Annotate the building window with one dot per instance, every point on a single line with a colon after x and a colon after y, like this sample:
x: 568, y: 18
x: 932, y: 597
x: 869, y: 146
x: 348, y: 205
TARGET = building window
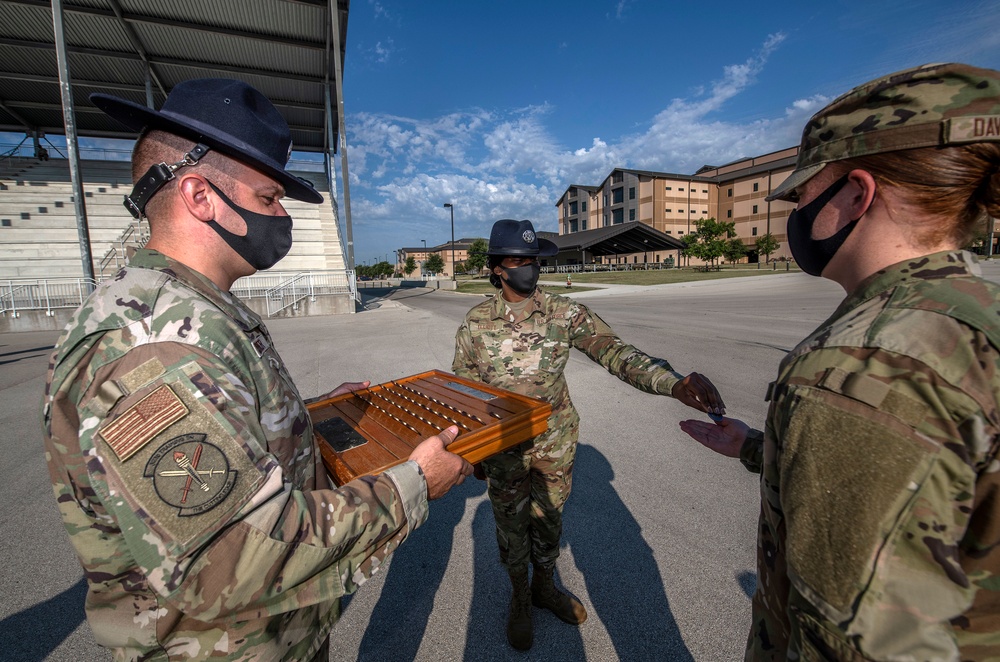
x: 583, y: 223
x: 756, y: 187
x: 631, y: 214
x: 670, y: 188
x: 631, y: 193
x: 730, y: 193
x: 680, y: 232
x: 617, y: 196
x: 755, y: 209
x: 617, y: 177
x: 605, y: 220
x: 704, y: 190
x: 583, y: 205
x: 5, y: 223
x: 729, y: 213
x: 668, y: 211
x: 680, y: 188
x: 605, y: 199
x: 753, y: 232
x: 572, y: 209
x: 618, y: 216
x: 666, y: 232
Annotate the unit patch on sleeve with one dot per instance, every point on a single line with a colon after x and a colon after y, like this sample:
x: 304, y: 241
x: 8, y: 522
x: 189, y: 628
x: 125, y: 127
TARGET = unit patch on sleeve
x: 137, y: 425
x: 190, y: 474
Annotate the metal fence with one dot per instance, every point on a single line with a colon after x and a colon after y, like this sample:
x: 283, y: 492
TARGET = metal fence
x: 280, y: 290
x: 283, y: 289
x: 49, y: 294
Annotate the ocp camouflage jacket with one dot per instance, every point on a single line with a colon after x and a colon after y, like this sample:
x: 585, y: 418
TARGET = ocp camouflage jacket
x: 183, y: 461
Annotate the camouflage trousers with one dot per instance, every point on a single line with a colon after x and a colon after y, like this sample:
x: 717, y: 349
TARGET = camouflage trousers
x: 528, y: 487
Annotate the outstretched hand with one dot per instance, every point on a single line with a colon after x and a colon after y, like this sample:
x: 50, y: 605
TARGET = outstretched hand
x: 346, y: 387
x: 725, y: 437
x: 698, y: 392
x: 442, y: 469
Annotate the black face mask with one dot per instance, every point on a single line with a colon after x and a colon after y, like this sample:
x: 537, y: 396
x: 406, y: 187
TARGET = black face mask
x: 523, y: 279
x: 268, y: 238
x: 812, y: 255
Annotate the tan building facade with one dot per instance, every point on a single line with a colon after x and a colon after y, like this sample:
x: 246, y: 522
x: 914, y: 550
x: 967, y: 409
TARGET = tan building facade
x: 420, y: 256
x: 671, y: 202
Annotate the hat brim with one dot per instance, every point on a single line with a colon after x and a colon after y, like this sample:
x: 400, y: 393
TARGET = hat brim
x: 137, y: 118
x: 545, y: 249
x: 798, y: 177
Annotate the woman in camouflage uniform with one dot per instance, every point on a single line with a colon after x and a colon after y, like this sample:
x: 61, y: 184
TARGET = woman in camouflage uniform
x: 520, y: 340
x: 879, y: 513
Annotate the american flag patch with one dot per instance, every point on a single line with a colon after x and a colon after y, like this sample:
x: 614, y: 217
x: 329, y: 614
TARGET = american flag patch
x: 137, y: 426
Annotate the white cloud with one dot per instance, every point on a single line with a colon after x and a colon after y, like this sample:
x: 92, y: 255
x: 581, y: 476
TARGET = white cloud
x: 499, y: 164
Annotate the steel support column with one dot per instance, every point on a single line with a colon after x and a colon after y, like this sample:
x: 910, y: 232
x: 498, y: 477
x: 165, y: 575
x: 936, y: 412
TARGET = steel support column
x: 72, y: 148
x: 334, y: 6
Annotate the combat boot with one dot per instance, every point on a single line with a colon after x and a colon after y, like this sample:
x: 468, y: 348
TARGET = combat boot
x: 544, y: 594
x: 519, y: 628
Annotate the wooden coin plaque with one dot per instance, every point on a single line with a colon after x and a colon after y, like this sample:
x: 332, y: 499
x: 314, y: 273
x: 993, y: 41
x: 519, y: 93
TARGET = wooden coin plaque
x: 368, y: 431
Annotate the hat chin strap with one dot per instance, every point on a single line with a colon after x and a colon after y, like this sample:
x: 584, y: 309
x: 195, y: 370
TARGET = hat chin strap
x: 156, y: 177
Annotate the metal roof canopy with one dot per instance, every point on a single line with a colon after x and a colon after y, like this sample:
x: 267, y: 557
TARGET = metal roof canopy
x: 631, y: 237
x: 54, y: 54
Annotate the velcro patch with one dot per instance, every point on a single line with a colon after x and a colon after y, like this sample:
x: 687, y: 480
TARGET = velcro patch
x: 137, y: 425
x: 972, y: 129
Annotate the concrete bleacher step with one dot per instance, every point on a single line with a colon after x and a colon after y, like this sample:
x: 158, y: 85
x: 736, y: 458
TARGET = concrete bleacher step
x: 38, y: 234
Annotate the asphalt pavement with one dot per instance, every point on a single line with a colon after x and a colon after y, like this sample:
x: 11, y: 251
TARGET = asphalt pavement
x: 658, y: 534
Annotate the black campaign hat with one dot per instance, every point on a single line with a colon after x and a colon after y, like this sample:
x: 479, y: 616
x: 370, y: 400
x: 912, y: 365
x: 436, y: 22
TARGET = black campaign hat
x: 227, y: 115
x: 510, y: 237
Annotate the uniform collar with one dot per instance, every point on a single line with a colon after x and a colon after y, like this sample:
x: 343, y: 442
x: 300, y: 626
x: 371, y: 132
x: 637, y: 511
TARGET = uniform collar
x: 146, y: 258
x: 947, y: 264
x: 499, y: 310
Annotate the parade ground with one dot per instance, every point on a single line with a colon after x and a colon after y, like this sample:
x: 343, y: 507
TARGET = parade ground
x: 659, y: 533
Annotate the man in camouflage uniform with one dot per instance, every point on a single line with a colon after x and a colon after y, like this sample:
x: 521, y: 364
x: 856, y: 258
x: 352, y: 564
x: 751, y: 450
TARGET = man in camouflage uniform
x: 879, y: 514
x: 520, y: 340
x: 181, y: 453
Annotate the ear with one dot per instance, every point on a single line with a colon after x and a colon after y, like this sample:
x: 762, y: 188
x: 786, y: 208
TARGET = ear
x: 863, y: 192
x: 197, y: 197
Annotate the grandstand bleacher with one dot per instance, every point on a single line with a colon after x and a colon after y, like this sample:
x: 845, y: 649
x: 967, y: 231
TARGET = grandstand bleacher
x: 39, y: 238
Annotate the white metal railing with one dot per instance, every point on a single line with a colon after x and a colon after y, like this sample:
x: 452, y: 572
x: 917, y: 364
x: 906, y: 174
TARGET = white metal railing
x: 623, y: 266
x: 43, y: 294
x: 283, y: 289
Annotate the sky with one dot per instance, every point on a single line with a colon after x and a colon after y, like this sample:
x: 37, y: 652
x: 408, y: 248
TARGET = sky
x: 498, y: 107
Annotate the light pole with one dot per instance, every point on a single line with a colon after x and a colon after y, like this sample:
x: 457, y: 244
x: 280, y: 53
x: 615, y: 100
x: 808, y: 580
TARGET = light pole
x: 425, y: 244
x: 451, y: 208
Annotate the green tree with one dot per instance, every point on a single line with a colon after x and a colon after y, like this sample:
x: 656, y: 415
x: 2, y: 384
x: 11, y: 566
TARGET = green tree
x: 766, y: 244
x: 410, y: 266
x: 735, y: 250
x: 434, y: 264
x: 460, y: 268
x: 382, y: 270
x: 477, y: 255
x: 688, y: 240
x: 710, y: 243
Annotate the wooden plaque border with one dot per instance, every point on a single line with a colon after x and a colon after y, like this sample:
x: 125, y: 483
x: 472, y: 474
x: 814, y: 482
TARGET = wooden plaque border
x: 395, y: 416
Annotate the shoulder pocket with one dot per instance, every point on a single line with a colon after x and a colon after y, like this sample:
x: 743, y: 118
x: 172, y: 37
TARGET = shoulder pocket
x: 179, y: 462
x: 849, y: 475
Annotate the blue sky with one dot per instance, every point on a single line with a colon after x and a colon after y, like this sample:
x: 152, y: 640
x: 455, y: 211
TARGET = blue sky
x: 498, y: 107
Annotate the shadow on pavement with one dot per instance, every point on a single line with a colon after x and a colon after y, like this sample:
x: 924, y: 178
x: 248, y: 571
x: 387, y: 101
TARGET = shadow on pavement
x: 32, y: 634
x: 618, y: 566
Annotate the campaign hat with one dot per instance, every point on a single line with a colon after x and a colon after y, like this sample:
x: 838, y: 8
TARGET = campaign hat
x: 226, y: 115
x: 517, y: 238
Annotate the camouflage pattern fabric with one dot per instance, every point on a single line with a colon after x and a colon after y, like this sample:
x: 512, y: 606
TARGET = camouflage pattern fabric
x: 926, y: 106
x: 527, y: 353
x: 184, y: 466
x: 879, y: 518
